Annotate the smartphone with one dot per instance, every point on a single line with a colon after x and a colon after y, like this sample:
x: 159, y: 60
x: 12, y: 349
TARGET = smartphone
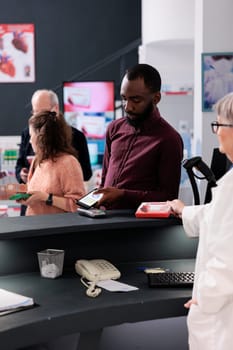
x: 18, y: 196
x: 89, y: 200
x: 92, y: 213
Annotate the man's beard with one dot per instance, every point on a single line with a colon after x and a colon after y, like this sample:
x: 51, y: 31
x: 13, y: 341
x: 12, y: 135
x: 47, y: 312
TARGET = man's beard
x: 138, y: 119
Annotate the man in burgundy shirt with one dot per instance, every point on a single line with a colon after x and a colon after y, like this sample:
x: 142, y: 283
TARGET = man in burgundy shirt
x: 143, y: 154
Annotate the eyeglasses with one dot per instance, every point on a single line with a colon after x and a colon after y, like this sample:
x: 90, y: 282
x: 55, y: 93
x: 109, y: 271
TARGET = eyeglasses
x: 216, y: 125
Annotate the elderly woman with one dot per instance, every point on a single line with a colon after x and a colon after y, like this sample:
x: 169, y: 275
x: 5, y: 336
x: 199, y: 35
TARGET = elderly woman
x: 210, y: 319
x: 55, y: 178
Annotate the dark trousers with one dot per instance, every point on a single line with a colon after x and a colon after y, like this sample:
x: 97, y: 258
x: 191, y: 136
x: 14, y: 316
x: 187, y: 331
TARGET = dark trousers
x: 23, y: 210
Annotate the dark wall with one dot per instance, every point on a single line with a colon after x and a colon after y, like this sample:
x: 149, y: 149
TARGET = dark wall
x: 71, y: 36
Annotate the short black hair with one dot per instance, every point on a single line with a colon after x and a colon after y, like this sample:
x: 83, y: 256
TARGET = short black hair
x: 151, y: 76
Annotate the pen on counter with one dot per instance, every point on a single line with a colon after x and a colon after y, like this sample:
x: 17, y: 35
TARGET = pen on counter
x: 155, y: 269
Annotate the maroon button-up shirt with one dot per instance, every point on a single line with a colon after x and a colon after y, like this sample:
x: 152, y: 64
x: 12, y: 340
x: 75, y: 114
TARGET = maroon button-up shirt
x: 145, y: 162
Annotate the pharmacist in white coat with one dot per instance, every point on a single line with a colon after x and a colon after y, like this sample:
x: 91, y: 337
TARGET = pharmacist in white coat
x: 210, y: 318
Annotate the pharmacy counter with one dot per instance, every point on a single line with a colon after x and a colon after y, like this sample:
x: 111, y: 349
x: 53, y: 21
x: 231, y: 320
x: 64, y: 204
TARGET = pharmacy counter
x: 62, y: 305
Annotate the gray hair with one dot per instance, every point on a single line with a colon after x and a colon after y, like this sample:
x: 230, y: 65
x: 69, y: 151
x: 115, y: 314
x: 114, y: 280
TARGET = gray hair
x: 224, y: 107
x: 50, y: 93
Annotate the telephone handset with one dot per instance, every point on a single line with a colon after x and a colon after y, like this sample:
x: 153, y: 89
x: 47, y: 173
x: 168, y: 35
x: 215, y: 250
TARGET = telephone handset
x: 96, y: 270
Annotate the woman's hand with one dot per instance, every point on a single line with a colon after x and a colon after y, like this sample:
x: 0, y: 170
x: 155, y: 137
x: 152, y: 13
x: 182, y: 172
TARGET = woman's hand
x: 177, y: 207
x: 189, y: 303
x: 35, y: 197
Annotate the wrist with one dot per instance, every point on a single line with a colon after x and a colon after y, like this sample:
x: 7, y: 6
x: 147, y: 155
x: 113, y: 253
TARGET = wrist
x: 181, y: 212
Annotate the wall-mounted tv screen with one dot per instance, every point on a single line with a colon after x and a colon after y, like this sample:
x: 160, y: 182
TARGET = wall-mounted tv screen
x: 90, y: 106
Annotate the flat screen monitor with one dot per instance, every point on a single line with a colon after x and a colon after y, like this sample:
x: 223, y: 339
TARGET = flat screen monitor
x: 90, y: 106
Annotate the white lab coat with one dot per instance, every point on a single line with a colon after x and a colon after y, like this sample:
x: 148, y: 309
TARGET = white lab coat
x: 210, y: 323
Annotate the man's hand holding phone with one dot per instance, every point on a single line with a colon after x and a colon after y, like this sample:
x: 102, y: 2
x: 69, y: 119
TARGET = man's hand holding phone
x: 110, y: 196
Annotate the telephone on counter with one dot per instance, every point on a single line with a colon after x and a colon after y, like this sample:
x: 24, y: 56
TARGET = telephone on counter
x: 94, y: 271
